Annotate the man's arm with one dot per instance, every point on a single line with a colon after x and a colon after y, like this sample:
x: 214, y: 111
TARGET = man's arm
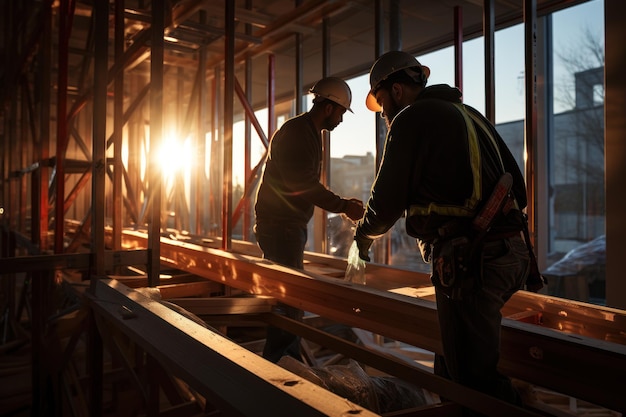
x: 300, y: 169
x: 388, y: 198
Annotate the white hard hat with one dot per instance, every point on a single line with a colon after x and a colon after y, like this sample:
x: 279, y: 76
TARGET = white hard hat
x: 334, y: 89
x: 388, y: 64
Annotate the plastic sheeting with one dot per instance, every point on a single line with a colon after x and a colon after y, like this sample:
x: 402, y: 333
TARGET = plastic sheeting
x: 584, y: 259
x: 376, y: 393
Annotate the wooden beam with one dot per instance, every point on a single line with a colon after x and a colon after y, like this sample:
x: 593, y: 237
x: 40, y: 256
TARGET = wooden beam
x: 188, y: 289
x: 81, y: 261
x: 226, y: 305
x: 546, y: 357
x: 214, y: 366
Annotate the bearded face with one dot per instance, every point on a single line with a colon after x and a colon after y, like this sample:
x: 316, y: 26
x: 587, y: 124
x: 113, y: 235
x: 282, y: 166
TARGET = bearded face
x: 334, y: 117
x: 390, y: 107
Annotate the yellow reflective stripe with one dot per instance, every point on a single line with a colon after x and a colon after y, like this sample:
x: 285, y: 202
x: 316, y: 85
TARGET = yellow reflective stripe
x: 467, y: 210
x: 457, y: 211
x: 487, y: 131
x: 495, y: 146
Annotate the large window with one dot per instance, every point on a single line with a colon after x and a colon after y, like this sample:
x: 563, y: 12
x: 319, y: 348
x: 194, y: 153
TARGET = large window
x: 572, y: 134
x: 576, y: 214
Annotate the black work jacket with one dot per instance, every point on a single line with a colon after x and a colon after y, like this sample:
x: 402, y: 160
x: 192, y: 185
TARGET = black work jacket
x: 426, y: 161
x: 290, y: 187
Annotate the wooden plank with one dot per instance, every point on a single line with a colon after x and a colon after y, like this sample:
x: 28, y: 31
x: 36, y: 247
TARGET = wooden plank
x: 545, y: 357
x: 81, y: 261
x: 226, y: 305
x: 573, y: 317
x: 214, y: 366
x: 187, y: 289
x: 138, y: 281
x: 324, y: 270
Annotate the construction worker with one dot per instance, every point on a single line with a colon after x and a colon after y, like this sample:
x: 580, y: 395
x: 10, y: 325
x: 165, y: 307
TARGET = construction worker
x: 441, y: 162
x: 289, y: 190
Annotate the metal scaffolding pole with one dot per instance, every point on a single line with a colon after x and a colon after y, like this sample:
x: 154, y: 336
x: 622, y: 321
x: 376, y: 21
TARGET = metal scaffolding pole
x: 229, y: 88
x: 156, y: 134
x: 490, y: 77
x: 118, y: 121
x: 458, y: 47
x: 62, y: 123
x: 530, y: 121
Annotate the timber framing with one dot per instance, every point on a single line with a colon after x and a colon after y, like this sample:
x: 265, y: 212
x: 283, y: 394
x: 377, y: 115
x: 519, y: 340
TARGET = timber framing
x: 547, y: 357
x: 233, y: 378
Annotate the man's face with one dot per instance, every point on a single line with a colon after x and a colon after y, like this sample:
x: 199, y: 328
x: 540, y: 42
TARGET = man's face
x: 334, y: 116
x: 390, y: 107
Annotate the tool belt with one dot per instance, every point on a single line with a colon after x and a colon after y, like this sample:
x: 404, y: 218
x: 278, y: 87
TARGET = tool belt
x: 455, y: 267
x: 456, y: 253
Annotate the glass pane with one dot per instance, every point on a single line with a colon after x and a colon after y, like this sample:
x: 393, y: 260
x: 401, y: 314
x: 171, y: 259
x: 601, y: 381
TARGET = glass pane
x: 576, y: 262
x: 352, y: 166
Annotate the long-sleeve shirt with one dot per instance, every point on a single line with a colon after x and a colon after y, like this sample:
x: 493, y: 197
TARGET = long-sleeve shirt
x: 290, y: 187
x: 426, y: 161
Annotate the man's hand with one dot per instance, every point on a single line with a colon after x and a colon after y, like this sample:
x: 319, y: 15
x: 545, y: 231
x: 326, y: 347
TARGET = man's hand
x: 363, y: 243
x: 354, y: 209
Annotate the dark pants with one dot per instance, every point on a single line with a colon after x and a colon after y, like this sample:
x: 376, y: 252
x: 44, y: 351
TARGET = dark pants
x: 470, y: 327
x: 284, y: 244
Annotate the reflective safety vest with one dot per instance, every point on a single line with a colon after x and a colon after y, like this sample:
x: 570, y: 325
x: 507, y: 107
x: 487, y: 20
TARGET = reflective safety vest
x: 468, y: 209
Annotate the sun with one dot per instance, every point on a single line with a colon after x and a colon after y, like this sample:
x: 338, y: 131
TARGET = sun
x: 174, y: 155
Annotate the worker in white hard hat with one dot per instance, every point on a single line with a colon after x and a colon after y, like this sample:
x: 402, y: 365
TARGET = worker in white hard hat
x: 442, y: 161
x: 290, y: 189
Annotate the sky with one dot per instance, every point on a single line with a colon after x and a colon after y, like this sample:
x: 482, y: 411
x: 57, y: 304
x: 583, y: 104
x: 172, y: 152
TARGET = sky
x: 355, y: 136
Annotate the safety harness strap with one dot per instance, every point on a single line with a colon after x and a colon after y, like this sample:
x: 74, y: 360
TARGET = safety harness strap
x: 469, y: 208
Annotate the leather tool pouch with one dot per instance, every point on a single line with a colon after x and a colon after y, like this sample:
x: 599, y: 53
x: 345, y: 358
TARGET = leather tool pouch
x: 451, y: 260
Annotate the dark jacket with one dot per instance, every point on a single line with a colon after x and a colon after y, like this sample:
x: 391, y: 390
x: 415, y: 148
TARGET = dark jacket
x: 290, y: 187
x: 426, y: 160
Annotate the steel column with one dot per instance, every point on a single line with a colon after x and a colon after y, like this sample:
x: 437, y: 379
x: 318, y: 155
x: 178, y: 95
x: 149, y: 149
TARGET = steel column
x: 395, y: 26
x: 42, y: 143
x: 199, y: 179
x: 118, y: 128
x: 615, y: 151
x: 215, y: 164
x: 99, y: 137
x: 379, y: 49
x: 229, y: 88
x: 246, y: 223
x: 101, y: 29
x: 490, y: 80
x: 320, y: 243
x: 62, y: 123
x: 530, y: 121
x: 156, y: 138
x: 271, y: 97
x: 458, y: 47
x: 298, y: 69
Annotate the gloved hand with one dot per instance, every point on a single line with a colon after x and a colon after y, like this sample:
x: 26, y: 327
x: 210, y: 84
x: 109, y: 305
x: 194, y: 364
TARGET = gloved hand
x: 354, y: 209
x: 363, y: 243
x: 535, y: 280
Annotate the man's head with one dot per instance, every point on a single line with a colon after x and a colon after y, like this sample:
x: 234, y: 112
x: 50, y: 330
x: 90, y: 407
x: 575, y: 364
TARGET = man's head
x: 395, y: 80
x: 332, y: 98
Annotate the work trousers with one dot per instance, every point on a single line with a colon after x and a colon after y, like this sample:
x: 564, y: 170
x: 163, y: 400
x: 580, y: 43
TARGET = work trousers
x: 282, y: 243
x: 470, y: 326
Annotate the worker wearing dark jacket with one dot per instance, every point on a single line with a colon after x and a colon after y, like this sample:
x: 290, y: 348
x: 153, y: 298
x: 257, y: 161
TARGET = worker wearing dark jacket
x: 441, y: 162
x: 291, y: 188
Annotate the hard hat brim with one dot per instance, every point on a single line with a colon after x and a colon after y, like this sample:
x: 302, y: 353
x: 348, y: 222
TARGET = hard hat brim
x: 372, y: 104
